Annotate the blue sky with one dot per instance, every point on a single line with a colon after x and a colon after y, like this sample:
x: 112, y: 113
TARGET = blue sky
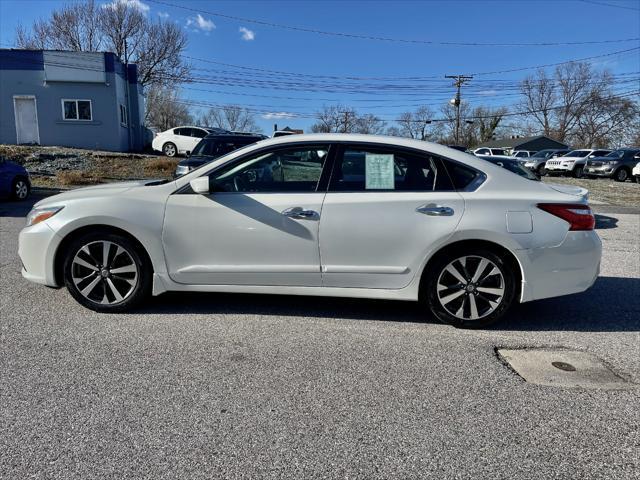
x: 239, y: 42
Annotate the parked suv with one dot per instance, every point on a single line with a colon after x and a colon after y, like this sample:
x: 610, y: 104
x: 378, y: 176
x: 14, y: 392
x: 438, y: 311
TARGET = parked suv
x: 573, y: 162
x: 181, y: 140
x: 617, y: 165
x: 539, y: 159
x: 214, y: 146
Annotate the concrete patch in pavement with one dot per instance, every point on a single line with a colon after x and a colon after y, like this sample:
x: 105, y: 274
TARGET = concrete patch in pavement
x: 559, y: 367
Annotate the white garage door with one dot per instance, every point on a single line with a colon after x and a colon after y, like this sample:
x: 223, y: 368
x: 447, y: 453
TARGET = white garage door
x: 24, y: 108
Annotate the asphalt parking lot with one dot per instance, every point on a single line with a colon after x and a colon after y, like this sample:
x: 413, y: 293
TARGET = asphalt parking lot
x: 246, y: 386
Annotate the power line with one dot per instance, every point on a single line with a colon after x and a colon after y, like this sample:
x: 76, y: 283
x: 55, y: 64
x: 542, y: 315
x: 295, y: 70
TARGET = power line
x: 387, y: 39
x: 609, y: 5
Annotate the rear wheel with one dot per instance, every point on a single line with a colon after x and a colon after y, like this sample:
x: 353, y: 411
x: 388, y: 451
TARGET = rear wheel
x: 621, y: 175
x: 20, y: 188
x: 106, y: 272
x: 473, y: 289
x: 169, y: 149
x: 578, y: 172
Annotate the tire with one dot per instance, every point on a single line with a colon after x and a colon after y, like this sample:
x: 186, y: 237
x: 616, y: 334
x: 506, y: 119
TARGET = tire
x: 458, y: 310
x: 542, y: 171
x: 93, y: 282
x: 621, y: 175
x: 578, y: 172
x: 20, y: 188
x: 638, y: 179
x: 170, y: 149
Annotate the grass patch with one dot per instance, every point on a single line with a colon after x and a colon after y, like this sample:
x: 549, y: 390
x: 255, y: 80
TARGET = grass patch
x: 160, y: 167
x: 76, y: 177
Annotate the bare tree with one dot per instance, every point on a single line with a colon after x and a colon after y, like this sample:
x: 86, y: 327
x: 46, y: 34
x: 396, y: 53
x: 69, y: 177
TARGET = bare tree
x: 416, y: 124
x: 486, y: 122
x: 558, y: 103
x: 370, y: 124
x: 119, y: 27
x: 336, y: 119
x: 230, y: 117
x: 605, y: 120
x: 164, y: 109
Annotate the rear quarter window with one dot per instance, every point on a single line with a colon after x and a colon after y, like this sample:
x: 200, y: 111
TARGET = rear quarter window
x: 461, y: 175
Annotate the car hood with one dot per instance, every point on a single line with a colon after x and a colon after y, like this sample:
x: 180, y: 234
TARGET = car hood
x: 570, y: 190
x: 105, y: 189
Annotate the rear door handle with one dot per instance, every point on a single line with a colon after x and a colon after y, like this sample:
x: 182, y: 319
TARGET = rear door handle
x: 435, y: 210
x: 300, y: 213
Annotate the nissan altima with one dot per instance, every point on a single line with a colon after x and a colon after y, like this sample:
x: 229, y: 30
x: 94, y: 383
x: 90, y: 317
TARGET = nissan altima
x: 325, y: 214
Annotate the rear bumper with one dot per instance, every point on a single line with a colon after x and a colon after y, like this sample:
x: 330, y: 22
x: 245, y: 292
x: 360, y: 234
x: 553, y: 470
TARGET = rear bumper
x: 571, y: 267
x: 36, y: 248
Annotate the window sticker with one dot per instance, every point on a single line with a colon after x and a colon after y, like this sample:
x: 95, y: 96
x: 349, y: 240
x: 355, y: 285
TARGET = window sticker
x: 379, y: 171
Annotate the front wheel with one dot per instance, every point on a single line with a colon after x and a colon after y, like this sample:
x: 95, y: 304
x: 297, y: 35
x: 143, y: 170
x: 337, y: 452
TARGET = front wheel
x: 106, y: 272
x: 578, y: 172
x: 542, y: 171
x: 470, y: 290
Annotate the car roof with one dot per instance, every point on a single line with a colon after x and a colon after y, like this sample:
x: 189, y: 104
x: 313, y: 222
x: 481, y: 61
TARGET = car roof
x: 223, y: 135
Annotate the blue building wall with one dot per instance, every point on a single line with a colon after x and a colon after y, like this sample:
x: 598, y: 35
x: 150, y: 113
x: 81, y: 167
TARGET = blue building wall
x: 22, y: 72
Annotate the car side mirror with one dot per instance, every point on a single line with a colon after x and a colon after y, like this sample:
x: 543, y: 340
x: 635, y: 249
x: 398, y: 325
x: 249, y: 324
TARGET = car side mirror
x: 200, y: 185
x: 188, y: 153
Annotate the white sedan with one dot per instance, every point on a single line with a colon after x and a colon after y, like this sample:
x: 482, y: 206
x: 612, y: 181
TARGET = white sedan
x: 327, y: 214
x: 179, y: 140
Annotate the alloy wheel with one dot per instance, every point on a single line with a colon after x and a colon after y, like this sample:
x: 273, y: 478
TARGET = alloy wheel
x: 104, y: 272
x: 21, y: 189
x: 169, y: 150
x: 470, y: 287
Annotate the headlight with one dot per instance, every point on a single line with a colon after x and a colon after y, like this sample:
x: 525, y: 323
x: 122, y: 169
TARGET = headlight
x: 614, y: 162
x: 38, y: 215
x: 181, y: 170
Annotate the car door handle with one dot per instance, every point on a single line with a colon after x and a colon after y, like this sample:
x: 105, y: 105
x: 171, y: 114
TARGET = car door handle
x: 435, y: 210
x: 300, y: 213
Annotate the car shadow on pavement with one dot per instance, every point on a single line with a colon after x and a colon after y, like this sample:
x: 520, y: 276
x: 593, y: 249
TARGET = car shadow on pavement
x: 611, y: 305
x: 15, y: 209
x: 603, y: 222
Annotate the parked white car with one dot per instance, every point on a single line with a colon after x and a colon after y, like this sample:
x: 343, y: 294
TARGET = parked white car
x: 636, y: 172
x: 573, y: 162
x: 326, y: 214
x: 490, y: 151
x: 180, y: 140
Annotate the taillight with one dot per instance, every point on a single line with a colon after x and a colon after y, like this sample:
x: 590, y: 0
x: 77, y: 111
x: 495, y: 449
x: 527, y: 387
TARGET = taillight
x: 579, y: 216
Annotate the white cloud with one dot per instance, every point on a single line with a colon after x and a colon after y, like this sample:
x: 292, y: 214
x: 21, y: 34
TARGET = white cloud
x: 200, y: 23
x: 489, y: 93
x: 137, y: 4
x: 247, y: 34
x: 277, y: 115
x: 163, y: 15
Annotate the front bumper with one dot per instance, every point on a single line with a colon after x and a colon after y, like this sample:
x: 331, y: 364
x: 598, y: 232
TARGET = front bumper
x: 558, y: 168
x: 571, y: 267
x: 36, y: 248
x: 603, y: 171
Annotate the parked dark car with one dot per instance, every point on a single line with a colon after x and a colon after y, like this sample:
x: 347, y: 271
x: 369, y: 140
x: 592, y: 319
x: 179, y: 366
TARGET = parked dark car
x: 511, y: 164
x: 536, y: 162
x: 214, y: 146
x: 14, y: 180
x: 460, y: 148
x: 617, y: 164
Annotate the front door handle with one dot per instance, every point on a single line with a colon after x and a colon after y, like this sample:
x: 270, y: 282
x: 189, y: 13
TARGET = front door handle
x: 300, y: 213
x: 434, y: 210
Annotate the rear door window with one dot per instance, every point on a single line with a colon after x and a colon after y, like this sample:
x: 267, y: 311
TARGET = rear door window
x: 365, y: 168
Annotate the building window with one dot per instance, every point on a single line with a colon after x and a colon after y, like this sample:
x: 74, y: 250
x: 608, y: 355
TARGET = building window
x: 76, y: 110
x: 123, y: 115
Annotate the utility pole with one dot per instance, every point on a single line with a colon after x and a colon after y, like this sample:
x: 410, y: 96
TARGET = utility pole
x: 460, y: 80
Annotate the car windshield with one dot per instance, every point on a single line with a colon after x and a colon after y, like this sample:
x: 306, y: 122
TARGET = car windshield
x: 615, y: 154
x: 542, y: 154
x: 204, y: 147
x: 578, y: 153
